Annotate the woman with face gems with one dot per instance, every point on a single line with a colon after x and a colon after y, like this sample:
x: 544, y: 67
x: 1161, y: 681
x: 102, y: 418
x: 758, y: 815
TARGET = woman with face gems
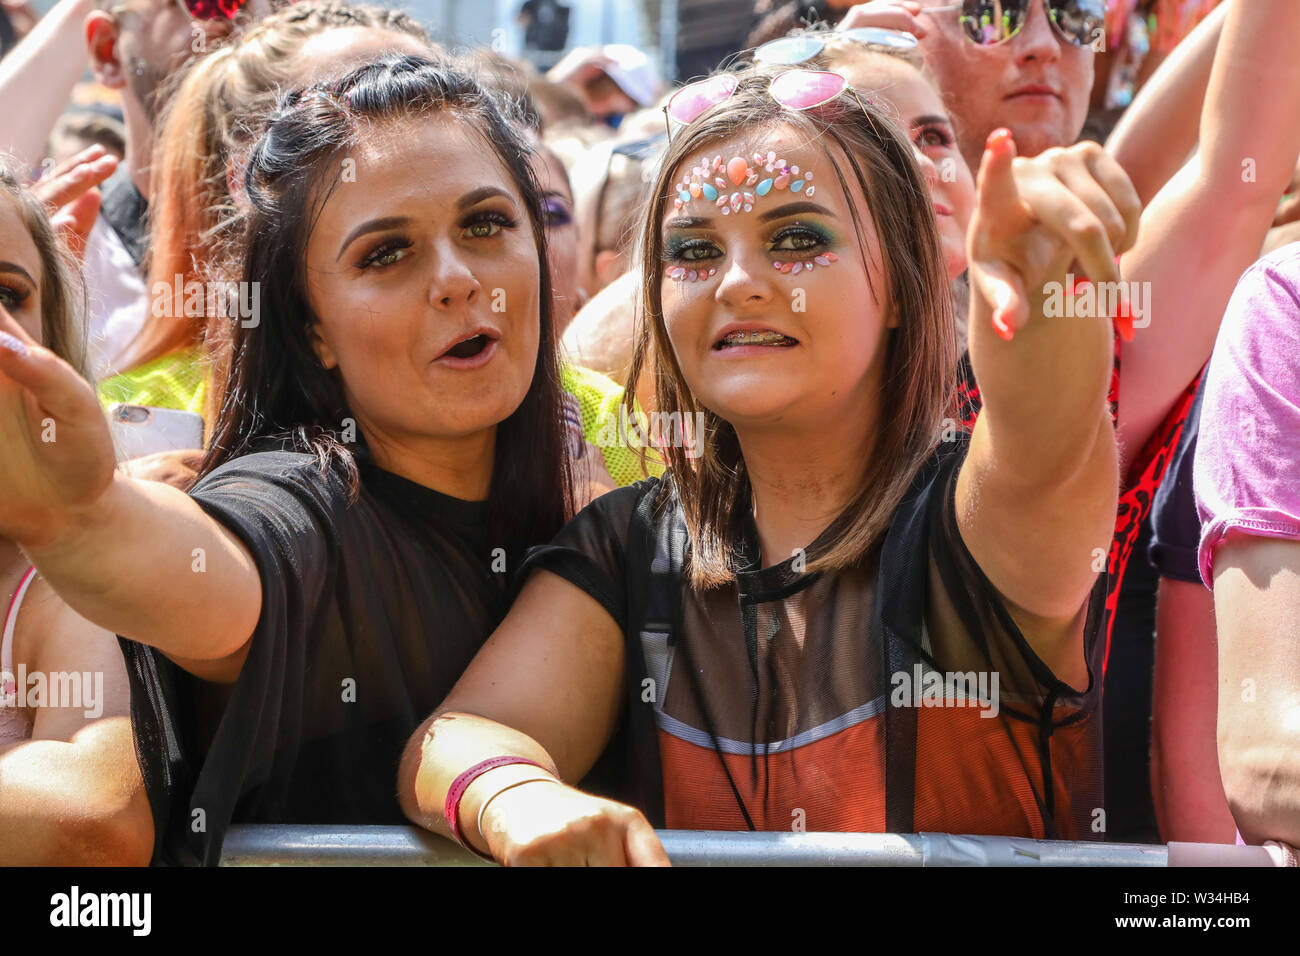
x: 832, y: 618
x: 349, y: 545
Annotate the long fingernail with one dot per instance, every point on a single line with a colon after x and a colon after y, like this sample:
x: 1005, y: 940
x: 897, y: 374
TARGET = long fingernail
x: 12, y: 344
x: 997, y: 137
x: 1002, y: 327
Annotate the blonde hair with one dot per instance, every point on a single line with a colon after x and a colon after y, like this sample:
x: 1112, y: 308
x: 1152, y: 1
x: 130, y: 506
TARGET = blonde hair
x: 920, y: 355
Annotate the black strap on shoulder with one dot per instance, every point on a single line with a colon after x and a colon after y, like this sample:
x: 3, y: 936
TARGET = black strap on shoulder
x: 650, y: 607
x: 656, y: 565
x: 896, y: 621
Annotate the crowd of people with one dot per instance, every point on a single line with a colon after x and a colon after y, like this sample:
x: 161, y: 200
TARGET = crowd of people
x: 885, y: 433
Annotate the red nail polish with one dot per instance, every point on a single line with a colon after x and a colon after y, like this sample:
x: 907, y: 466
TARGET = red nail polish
x: 997, y: 137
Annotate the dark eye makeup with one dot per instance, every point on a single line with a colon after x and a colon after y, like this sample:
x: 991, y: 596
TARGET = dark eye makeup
x: 479, y: 224
x: 556, y: 213
x: 13, y: 294
x: 796, y: 238
x: 934, y: 135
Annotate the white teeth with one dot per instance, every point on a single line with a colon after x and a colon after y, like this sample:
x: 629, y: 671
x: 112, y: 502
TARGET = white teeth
x: 755, y: 338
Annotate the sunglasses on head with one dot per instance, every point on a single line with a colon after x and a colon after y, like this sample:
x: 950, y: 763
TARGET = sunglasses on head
x: 212, y: 9
x: 799, y: 49
x: 793, y: 89
x: 990, y: 22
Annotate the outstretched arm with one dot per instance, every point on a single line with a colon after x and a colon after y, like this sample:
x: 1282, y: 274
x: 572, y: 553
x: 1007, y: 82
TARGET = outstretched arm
x: 1209, y: 222
x: 134, y: 557
x: 1036, y: 496
x: 39, y: 73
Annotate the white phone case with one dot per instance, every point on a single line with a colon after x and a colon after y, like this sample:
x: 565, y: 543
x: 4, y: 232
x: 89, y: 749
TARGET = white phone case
x: 140, y: 430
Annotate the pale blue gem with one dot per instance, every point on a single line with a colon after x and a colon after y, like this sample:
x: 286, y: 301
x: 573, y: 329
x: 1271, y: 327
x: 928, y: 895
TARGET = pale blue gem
x: 710, y: 193
x: 684, y: 195
x: 764, y: 187
x: 796, y: 186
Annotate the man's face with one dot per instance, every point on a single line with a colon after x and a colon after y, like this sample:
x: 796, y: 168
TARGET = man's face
x: 1036, y: 84
x: 157, y: 37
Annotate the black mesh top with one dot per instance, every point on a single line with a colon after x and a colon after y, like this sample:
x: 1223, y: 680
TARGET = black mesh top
x: 894, y: 696
x: 371, y: 610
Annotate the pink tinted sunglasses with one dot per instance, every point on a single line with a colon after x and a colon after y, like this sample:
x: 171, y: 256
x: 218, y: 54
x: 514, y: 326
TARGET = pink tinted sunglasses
x: 793, y: 89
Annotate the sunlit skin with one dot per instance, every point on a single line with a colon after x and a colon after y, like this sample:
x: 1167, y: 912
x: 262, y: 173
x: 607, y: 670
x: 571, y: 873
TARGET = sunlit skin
x: 904, y: 92
x: 1036, y: 84
x: 811, y: 402
x: 407, y: 263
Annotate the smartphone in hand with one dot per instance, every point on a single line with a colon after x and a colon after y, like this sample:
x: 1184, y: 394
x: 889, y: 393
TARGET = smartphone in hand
x: 140, y: 430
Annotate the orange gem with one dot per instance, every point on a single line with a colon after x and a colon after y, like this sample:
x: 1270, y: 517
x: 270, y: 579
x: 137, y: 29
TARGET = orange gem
x: 737, y: 170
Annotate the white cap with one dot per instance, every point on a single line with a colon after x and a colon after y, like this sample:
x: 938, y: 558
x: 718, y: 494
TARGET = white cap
x: 633, y: 72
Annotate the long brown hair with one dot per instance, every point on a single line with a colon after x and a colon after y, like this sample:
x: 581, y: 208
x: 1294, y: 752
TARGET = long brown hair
x: 920, y: 361
x: 221, y: 103
x: 277, y: 387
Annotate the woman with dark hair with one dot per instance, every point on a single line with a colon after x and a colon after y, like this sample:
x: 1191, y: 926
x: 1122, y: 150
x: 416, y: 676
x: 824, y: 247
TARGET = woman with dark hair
x: 348, y: 546
x: 840, y: 616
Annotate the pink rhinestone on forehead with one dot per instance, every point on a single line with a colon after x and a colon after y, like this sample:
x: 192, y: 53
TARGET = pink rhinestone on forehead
x: 737, y: 183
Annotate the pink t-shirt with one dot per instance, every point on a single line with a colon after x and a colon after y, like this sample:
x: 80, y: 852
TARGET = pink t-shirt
x: 1247, y: 471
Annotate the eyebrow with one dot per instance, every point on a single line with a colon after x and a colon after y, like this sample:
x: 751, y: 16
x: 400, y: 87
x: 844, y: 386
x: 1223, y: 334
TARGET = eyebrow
x: 688, y: 222
x: 471, y: 198
x: 933, y: 119
x: 6, y: 266
x: 794, y: 209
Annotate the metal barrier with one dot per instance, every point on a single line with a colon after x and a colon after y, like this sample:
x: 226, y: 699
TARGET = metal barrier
x: 288, y: 845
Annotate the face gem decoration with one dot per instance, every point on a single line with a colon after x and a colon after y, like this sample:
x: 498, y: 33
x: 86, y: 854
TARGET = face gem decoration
x: 683, y: 274
x: 736, y: 185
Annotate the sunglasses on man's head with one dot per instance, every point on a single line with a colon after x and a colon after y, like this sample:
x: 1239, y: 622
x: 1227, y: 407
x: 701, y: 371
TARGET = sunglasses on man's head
x: 212, y: 9
x: 787, y: 51
x: 990, y: 22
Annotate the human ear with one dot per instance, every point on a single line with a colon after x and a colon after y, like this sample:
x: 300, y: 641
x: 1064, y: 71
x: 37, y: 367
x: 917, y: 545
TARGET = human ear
x: 101, y: 42
x: 891, y: 315
x: 319, y: 345
x: 610, y: 264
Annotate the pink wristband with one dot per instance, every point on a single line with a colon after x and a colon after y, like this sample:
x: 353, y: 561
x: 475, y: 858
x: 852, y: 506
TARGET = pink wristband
x: 451, y: 808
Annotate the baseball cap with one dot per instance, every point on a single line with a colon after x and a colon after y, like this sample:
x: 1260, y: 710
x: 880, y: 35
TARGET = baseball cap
x: 632, y: 70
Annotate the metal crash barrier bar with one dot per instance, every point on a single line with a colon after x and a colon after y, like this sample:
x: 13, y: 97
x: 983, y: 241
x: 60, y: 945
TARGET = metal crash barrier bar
x: 290, y: 845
